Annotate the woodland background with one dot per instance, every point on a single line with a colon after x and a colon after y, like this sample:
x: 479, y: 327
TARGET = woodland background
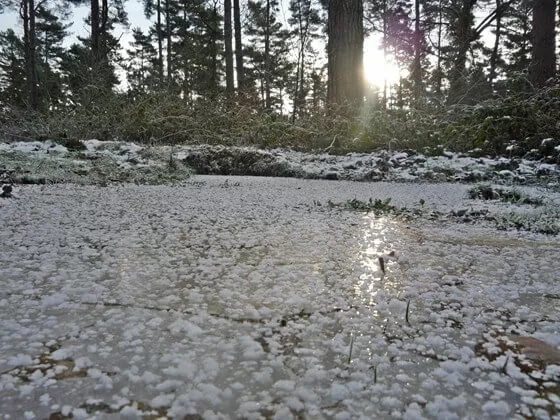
x: 478, y: 75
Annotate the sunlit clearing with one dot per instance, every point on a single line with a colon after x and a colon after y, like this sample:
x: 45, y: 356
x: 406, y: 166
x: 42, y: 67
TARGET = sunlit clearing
x: 379, y: 69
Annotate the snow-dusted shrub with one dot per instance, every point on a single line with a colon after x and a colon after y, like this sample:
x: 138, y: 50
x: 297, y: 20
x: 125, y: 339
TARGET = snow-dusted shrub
x: 516, y: 124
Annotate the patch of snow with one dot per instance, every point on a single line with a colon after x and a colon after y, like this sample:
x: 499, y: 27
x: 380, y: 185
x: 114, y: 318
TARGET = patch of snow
x: 20, y: 360
x: 34, y: 147
x: 130, y: 412
x: 163, y: 400
x: 183, y: 327
x: 62, y: 354
x: 497, y: 409
x: 54, y: 300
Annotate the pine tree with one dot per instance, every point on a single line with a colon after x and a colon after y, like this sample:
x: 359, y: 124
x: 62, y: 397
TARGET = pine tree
x: 152, y: 7
x: 400, y: 42
x: 40, y: 89
x: 142, y: 64
x: 51, y: 33
x: 345, y: 52
x: 305, y: 21
x: 266, y: 53
x: 88, y: 84
x: 13, y: 87
x: 435, y: 28
x: 197, y: 49
x: 543, y: 59
x: 28, y: 11
x: 30, y: 42
x: 228, y: 38
x: 238, y: 46
x: 465, y: 37
x: 88, y: 67
x: 462, y: 33
x: 394, y: 22
x: 495, y: 60
x: 420, y: 49
x: 517, y: 37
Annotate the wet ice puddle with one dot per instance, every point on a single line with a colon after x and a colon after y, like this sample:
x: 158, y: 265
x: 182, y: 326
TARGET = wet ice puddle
x: 252, y: 298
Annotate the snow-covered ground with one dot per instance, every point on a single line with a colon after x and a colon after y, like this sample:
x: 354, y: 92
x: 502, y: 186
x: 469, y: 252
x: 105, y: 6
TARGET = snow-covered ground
x: 52, y: 163
x: 249, y: 297
x: 245, y: 297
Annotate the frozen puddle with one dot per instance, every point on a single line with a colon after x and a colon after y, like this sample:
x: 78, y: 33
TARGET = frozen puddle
x: 250, y: 298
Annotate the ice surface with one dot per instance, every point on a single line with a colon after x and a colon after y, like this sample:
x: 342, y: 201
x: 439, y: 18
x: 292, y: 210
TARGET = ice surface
x: 255, y: 299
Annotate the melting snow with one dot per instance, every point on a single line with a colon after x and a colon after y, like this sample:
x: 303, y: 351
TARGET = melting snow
x: 252, y: 297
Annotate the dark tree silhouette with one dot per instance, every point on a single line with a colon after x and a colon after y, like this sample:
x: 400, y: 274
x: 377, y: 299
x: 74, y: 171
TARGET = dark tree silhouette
x: 543, y: 63
x: 345, y: 52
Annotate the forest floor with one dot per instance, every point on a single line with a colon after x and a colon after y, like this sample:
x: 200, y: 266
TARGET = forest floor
x: 257, y: 297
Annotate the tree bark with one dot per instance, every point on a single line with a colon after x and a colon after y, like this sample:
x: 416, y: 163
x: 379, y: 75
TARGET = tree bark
x: 214, y: 33
x: 345, y: 53
x: 496, y: 49
x: 34, y: 82
x: 238, y: 45
x: 385, y: 43
x: 267, y: 104
x: 228, y: 48
x: 29, y: 41
x: 464, y: 36
x: 304, y: 12
x: 160, y: 41
x: 103, y: 32
x: 439, y: 71
x: 94, y: 18
x: 417, y: 62
x: 543, y: 62
x: 168, y: 40
x: 187, y: 94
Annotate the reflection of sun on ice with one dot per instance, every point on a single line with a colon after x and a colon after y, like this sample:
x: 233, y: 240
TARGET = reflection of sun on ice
x: 376, y: 248
x: 379, y: 69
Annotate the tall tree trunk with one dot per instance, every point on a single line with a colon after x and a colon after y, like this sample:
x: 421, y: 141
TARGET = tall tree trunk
x: 400, y: 99
x: 28, y: 17
x: 168, y: 40
x: 296, y: 93
x: 238, y: 45
x: 457, y: 82
x: 543, y: 62
x: 27, y: 51
x: 214, y: 33
x: 142, y: 71
x: 496, y: 49
x: 94, y: 18
x: 385, y: 43
x: 439, y: 71
x: 187, y: 94
x: 463, y: 39
x: 159, y: 35
x: 298, y: 89
x: 34, y: 82
x: 104, y: 29
x: 303, y: 29
x: 228, y: 48
x: 345, y: 53
x: 417, y: 63
x: 267, y: 104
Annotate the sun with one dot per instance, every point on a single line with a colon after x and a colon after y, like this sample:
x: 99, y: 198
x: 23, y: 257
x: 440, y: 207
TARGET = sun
x: 378, y: 69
